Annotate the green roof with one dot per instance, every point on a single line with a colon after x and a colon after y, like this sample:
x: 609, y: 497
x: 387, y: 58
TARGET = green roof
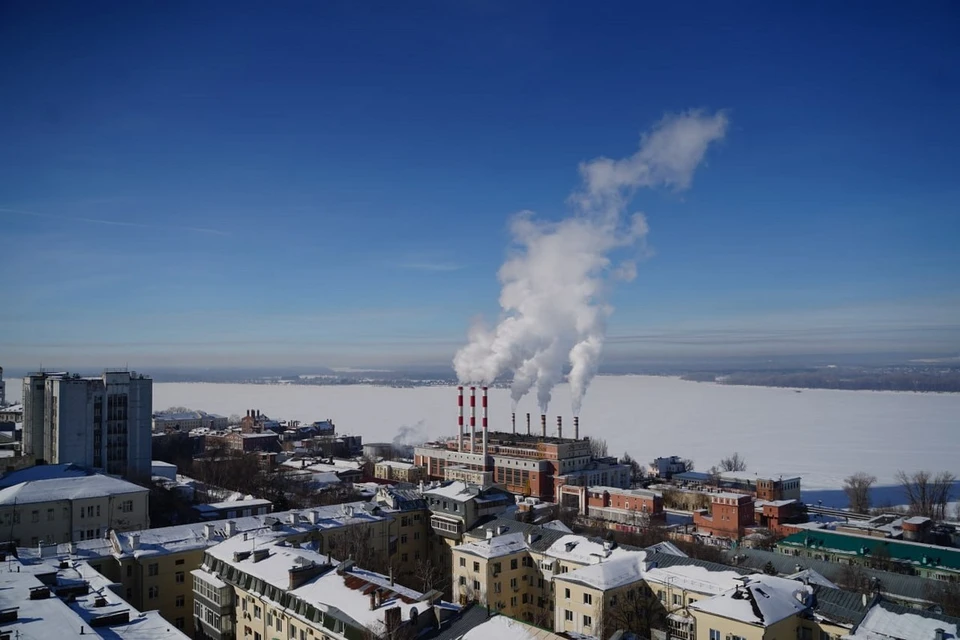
x: 921, y: 555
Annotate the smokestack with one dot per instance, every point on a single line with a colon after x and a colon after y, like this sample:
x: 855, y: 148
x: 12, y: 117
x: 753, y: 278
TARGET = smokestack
x: 484, y: 427
x: 560, y: 427
x: 528, y: 424
x: 473, y: 419
x: 460, y: 419
x: 513, y: 422
x: 543, y: 424
x: 576, y: 427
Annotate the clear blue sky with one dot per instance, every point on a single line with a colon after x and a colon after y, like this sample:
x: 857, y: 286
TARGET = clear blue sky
x: 330, y: 183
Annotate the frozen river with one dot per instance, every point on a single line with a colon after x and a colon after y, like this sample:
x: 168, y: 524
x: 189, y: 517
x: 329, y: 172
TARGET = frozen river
x: 821, y: 435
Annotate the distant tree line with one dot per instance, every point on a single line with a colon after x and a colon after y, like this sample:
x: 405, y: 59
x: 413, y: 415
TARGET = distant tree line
x: 936, y: 380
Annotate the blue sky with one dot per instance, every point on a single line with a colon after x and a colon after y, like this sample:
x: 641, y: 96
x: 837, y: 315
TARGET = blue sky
x: 331, y: 183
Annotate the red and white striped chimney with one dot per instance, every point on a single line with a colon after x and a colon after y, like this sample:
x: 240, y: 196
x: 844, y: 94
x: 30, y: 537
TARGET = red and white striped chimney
x: 484, y: 427
x: 543, y: 425
x: 473, y: 419
x: 460, y: 419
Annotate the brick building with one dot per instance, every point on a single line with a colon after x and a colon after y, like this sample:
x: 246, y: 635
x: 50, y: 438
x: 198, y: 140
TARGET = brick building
x: 729, y: 516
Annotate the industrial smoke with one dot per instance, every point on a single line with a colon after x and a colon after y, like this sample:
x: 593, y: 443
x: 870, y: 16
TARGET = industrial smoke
x: 557, y: 276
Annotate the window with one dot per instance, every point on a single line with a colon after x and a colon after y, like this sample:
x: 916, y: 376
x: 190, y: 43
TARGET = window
x: 179, y: 623
x: 180, y: 577
x: 513, y: 583
x: 129, y: 570
x: 587, y: 598
x: 824, y: 635
x: 179, y: 562
x: 587, y: 621
x: 513, y: 601
x: 714, y: 634
x: 416, y: 535
x: 476, y: 567
x: 279, y: 624
x: 153, y: 569
x: 256, y: 636
x: 497, y: 587
x: 269, y: 619
x: 476, y: 585
x: 566, y: 593
x: 256, y: 612
x: 496, y: 567
x: 463, y: 562
x: 403, y: 539
x: 463, y: 581
x: 293, y: 631
x: 181, y: 600
x: 677, y: 599
x: 403, y: 557
x: 661, y: 596
x: 35, y: 516
x: 153, y: 592
x: 50, y: 515
x: 613, y: 601
x: 513, y: 564
x: 568, y: 615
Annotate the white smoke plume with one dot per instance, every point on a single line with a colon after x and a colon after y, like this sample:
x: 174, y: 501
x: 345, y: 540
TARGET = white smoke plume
x: 557, y: 276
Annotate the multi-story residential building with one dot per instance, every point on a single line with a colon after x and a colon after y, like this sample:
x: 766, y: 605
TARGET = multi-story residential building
x: 186, y: 421
x: 248, y: 442
x: 454, y: 509
x: 12, y: 414
x: 913, y: 558
x: 152, y: 567
x: 99, y: 422
x: 409, y: 534
x: 398, y: 471
x: 61, y: 598
x: 57, y: 504
x: 525, y: 464
x: 587, y: 599
x: 666, y: 467
x: 260, y: 587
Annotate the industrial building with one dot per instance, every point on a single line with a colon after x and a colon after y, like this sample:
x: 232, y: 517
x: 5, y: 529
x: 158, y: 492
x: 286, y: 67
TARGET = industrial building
x: 527, y: 464
x: 100, y: 422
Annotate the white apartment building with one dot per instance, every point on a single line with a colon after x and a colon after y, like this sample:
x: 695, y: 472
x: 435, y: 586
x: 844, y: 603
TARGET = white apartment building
x: 99, y: 422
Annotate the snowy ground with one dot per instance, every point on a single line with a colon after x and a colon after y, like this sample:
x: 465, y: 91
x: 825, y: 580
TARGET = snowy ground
x: 820, y: 435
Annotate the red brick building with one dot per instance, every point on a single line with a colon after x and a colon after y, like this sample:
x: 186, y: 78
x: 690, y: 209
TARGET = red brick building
x: 729, y: 516
x: 779, y: 515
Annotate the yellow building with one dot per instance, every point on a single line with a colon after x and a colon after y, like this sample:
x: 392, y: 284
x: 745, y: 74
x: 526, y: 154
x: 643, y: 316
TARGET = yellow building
x: 70, y: 507
x: 409, y: 535
x: 399, y: 471
x: 589, y: 600
x: 760, y: 607
x: 153, y: 567
x: 262, y: 587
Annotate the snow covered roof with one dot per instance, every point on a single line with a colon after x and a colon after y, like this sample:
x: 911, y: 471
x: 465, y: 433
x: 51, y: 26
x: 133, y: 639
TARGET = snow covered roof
x: 333, y: 591
x: 160, y: 464
x: 666, y: 547
x: 233, y: 504
x: 396, y: 465
x: 93, y: 486
x: 694, y: 578
x: 557, y: 525
x: 761, y: 600
x: 622, y: 570
x: 43, y: 472
x: 890, y: 622
x: 456, y: 490
x: 504, y: 628
x: 581, y: 550
x: 496, y: 547
x: 810, y: 576
x: 13, y: 408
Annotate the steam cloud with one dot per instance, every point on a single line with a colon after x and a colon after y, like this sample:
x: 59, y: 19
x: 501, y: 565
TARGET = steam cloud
x: 555, y: 282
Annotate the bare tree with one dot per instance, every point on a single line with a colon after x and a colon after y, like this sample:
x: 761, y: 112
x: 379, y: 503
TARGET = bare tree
x: 634, y: 610
x: 234, y: 419
x: 946, y: 595
x: 354, y: 543
x: 733, y: 463
x: 598, y: 448
x: 853, y: 578
x: 636, y: 472
x: 688, y: 464
x: 713, y: 476
x: 428, y: 576
x: 928, y: 495
x: 857, y: 488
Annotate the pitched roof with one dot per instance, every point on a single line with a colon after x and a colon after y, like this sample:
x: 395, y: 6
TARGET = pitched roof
x: 839, y: 606
x: 886, y: 621
x: 67, y: 488
x: 761, y: 600
x: 610, y: 574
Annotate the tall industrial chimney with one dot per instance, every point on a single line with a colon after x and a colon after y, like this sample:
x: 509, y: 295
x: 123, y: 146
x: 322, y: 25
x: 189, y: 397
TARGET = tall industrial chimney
x: 460, y: 419
x: 576, y: 427
x: 513, y: 422
x: 473, y: 419
x: 483, y: 426
x: 560, y: 427
x: 543, y: 425
x: 528, y: 424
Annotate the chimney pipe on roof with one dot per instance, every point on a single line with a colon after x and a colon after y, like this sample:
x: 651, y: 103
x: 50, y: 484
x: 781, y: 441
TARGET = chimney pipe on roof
x: 576, y: 427
x: 528, y: 424
x: 460, y: 419
x: 473, y: 419
x: 543, y: 425
x: 560, y: 427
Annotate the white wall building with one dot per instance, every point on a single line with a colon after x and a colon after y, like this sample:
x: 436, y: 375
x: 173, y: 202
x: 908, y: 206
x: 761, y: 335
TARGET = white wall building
x: 99, y: 422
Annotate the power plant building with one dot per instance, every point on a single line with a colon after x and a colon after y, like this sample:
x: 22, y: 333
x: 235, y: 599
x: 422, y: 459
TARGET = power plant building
x: 526, y: 464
